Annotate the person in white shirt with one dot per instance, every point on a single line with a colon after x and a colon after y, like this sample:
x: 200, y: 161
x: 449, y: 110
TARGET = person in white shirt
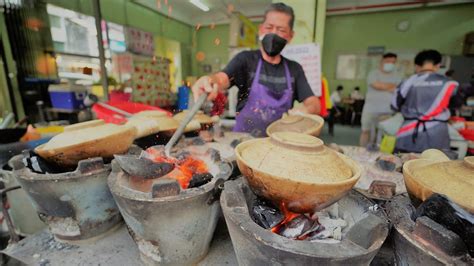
x: 336, y: 110
x: 355, y: 94
x: 336, y: 96
x: 381, y: 84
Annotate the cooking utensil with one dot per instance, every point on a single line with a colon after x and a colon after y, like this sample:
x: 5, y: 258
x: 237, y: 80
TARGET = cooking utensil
x: 296, y: 169
x: 435, y: 173
x: 115, y: 109
x: 143, y: 167
x: 189, y: 116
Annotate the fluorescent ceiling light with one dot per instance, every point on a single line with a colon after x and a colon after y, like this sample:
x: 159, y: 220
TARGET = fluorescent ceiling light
x: 199, y: 5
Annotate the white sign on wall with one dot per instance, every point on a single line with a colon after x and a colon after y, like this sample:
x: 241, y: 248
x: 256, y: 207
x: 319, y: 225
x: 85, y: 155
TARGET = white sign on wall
x: 309, y: 57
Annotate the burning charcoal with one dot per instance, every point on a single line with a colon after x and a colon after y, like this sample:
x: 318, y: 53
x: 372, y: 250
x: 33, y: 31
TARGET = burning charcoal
x: 215, y: 155
x: 296, y: 227
x: 200, y: 179
x: 234, y: 143
x: 143, y: 167
x: 447, y: 213
x: 165, y: 187
x: 265, y: 214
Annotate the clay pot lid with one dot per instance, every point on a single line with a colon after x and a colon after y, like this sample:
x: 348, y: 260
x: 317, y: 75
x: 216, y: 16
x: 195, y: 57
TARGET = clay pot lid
x: 296, y: 156
x: 92, y: 123
x: 435, y: 172
x: 301, y: 123
x: 151, y: 113
x: 85, y: 136
x: 200, y: 116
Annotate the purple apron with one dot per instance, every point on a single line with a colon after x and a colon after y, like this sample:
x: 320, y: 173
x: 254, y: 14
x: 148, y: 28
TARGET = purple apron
x: 263, y: 105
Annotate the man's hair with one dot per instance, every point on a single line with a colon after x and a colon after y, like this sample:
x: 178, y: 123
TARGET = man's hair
x: 356, y: 88
x: 389, y: 55
x: 280, y: 7
x: 340, y: 88
x: 428, y: 56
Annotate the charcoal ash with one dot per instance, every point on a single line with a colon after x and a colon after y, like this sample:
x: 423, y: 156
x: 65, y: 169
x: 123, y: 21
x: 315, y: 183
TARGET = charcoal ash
x: 215, y: 155
x: 297, y: 227
x: 143, y: 167
x: 200, y: 179
x: 266, y: 214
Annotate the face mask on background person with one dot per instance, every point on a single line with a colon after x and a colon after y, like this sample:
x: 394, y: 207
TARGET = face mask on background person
x: 273, y: 44
x: 388, y: 67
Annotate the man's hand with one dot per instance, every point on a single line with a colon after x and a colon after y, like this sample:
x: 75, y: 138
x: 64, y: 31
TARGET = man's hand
x: 205, y: 85
x: 211, y: 85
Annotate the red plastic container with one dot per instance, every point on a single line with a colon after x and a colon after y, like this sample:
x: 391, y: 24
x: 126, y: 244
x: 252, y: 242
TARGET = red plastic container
x: 468, y: 134
x: 110, y: 116
x: 117, y: 96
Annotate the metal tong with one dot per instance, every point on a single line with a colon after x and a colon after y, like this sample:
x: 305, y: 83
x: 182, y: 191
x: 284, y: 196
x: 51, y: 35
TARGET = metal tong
x: 177, y: 134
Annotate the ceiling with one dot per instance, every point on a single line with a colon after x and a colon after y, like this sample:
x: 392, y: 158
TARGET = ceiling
x: 220, y: 10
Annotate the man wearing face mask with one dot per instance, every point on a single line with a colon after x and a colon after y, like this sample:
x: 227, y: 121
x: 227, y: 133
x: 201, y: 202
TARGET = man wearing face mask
x: 268, y: 83
x: 381, y: 83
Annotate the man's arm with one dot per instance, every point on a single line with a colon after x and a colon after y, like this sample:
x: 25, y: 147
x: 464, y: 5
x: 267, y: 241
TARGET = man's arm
x: 311, y: 105
x: 382, y: 86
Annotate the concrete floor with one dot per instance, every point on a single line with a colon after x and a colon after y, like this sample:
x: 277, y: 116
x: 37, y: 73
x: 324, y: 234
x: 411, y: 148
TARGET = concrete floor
x: 343, y: 135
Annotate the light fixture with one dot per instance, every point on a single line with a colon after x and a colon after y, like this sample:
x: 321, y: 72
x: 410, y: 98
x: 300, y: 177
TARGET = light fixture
x: 199, y: 5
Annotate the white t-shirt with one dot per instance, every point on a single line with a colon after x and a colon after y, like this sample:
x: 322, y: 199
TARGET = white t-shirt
x: 335, y: 98
x: 377, y: 101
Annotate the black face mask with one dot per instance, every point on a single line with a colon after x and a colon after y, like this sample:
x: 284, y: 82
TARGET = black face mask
x: 273, y: 44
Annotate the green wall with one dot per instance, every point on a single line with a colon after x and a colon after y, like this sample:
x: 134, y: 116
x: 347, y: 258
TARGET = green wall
x: 126, y: 12
x: 442, y: 28
x: 214, y: 53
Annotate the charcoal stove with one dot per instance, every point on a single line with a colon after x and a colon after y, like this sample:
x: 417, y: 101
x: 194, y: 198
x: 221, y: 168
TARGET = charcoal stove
x: 255, y: 245
x: 76, y: 205
x: 175, y: 229
x: 423, y: 242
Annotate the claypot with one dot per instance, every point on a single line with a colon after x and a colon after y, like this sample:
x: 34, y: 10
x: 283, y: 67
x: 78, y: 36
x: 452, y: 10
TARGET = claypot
x: 435, y: 173
x: 296, y: 169
x: 69, y: 147
x: 301, y: 123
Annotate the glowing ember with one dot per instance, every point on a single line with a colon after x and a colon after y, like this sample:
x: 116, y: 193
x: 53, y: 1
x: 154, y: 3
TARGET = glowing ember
x: 288, y: 217
x: 185, y: 168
